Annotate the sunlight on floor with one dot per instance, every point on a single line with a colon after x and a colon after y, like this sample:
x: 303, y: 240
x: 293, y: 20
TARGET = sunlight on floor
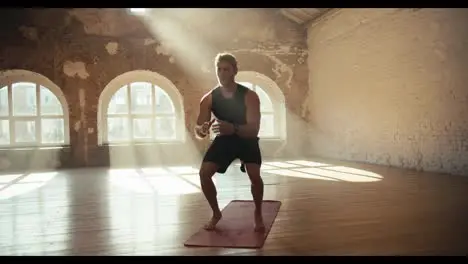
x: 16, y: 184
x: 5, y: 179
x: 298, y: 174
x: 152, y: 171
x: 307, y: 163
x: 180, y: 180
x: 170, y: 185
x: 322, y: 171
x: 185, y: 180
x: 162, y: 181
x: 278, y: 164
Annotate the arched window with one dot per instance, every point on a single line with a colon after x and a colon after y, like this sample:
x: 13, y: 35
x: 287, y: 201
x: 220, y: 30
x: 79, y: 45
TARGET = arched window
x: 33, y: 111
x: 272, y: 103
x: 140, y: 106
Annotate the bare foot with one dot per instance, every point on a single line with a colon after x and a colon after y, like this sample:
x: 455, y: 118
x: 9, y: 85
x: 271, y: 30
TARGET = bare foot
x: 211, y: 225
x: 259, y: 225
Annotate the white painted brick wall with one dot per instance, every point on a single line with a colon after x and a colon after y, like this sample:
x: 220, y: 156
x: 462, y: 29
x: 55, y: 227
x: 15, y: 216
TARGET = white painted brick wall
x: 390, y: 86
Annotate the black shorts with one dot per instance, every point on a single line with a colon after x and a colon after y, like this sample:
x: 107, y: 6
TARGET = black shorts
x: 225, y: 149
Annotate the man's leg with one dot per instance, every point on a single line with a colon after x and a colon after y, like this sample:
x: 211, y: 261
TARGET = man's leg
x: 217, y: 159
x: 207, y: 171
x: 252, y: 159
x: 256, y: 188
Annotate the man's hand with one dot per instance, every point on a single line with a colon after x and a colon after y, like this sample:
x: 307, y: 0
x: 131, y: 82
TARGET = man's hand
x: 223, y: 128
x: 204, y: 129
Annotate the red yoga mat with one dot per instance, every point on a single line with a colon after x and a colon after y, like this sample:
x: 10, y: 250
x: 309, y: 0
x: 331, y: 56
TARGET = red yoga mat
x: 236, y: 228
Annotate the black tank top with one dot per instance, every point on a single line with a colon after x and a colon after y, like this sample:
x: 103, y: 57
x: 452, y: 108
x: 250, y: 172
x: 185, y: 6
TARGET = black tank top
x: 233, y: 109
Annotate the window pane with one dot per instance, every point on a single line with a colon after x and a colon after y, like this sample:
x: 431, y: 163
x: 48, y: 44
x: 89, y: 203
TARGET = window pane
x: 118, y: 104
x: 117, y: 129
x: 25, y: 131
x: 50, y: 105
x: 4, y: 101
x: 24, y: 99
x: 267, y: 126
x: 163, y: 102
x: 165, y: 128
x: 141, y: 97
x: 247, y: 84
x: 142, y: 128
x: 265, y: 102
x: 52, y: 131
x: 4, y: 132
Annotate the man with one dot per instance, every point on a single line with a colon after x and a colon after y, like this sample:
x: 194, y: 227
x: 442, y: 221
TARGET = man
x: 237, y: 112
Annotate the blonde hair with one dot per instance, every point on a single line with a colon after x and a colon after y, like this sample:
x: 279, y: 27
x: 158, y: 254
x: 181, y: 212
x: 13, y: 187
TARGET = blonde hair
x: 226, y: 57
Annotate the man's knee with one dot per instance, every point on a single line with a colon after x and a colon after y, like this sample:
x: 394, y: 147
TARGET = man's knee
x: 207, y: 170
x: 253, y: 171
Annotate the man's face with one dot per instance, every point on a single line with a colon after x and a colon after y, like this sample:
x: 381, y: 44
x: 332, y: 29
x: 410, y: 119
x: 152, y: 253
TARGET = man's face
x: 225, y: 72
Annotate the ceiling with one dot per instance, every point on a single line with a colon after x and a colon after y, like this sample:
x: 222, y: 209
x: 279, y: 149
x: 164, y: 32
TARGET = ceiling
x: 303, y: 15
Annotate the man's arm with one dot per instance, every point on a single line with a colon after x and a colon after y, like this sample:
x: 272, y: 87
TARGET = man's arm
x: 251, y: 128
x: 204, y: 115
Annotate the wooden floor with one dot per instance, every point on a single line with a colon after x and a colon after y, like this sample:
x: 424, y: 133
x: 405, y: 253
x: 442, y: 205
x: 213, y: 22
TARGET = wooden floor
x: 328, y: 209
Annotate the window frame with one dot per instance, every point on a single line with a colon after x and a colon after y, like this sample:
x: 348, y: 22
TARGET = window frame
x: 11, y: 77
x: 126, y: 79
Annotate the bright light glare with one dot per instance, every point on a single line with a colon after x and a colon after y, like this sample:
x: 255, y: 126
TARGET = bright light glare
x: 154, y: 171
x: 184, y: 170
x: 26, y: 184
x: 180, y: 180
x: 138, y: 10
x: 315, y: 170
x: 170, y: 185
x: 9, y: 178
x: 342, y: 173
x: 160, y: 181
x: 131, y: 182
x: 280, y: 164
x: 298, y: 174
x: 308, y: 163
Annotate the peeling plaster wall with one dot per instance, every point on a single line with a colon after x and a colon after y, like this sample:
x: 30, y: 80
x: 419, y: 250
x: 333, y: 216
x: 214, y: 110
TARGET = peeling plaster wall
x: 389, y: 86
x: 82, y: 50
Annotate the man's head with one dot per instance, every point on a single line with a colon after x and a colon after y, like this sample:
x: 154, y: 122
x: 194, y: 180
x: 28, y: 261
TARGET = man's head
x: 226, y: 68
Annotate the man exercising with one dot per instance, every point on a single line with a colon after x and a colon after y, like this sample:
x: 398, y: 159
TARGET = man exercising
x: 237, y: 112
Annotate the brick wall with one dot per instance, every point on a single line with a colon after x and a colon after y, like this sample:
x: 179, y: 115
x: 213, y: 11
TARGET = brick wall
x: 389, y: 86
x: 82, y: 50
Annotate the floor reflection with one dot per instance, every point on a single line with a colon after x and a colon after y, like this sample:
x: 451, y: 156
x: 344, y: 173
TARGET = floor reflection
x: 125, y: 211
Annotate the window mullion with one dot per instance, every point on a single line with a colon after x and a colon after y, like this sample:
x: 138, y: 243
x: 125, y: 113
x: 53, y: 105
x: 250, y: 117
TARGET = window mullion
x: 38, y: 125
x: 129, y: 109
x: 10, y: 114
x: 153, y: 112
